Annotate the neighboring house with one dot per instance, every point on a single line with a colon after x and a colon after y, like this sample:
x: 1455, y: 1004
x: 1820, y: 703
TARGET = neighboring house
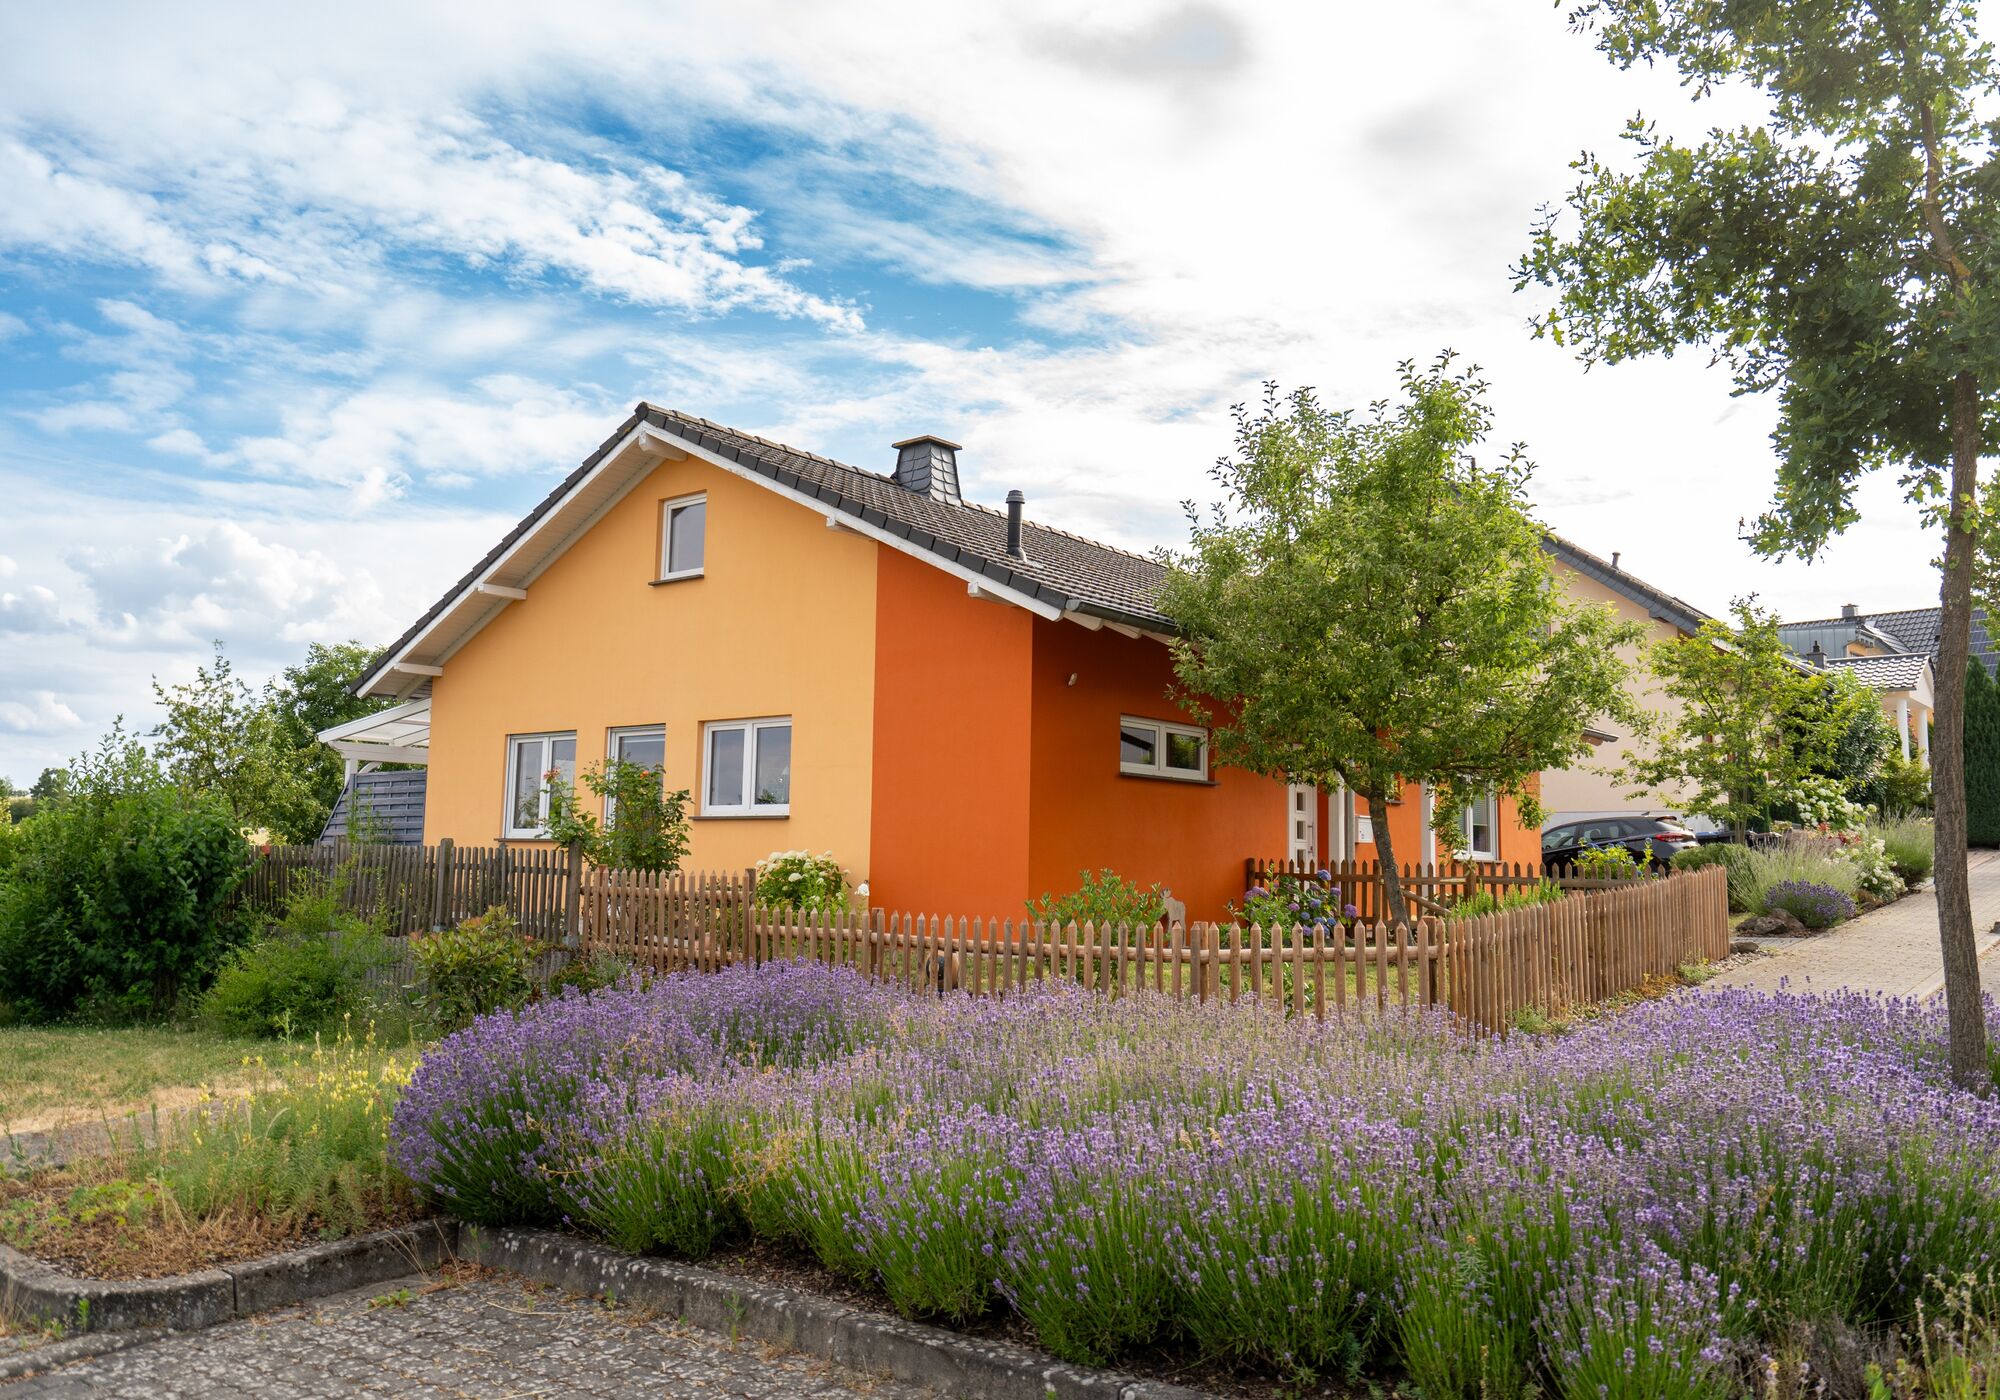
x: 1589, y: 789
x: 965, y: 707
x: 1895, y: 654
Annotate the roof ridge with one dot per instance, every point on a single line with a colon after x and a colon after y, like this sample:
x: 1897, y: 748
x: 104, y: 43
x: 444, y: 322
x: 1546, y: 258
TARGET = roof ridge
x: 889, y: 478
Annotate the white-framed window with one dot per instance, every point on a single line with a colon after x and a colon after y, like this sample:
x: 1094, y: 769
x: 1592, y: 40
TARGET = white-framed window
x: 643, y: 744
x: 530, y: 759
x: 1153, y: 748
x: 746, y: 768
x: 683, y: 537
x: 1480, y: 825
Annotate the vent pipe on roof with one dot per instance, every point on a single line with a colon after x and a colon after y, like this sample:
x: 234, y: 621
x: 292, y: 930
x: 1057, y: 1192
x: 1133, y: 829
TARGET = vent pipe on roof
x: 1817, y: 656
x: 1614, y: 558
x: 928, y: 465
x: 1015, y: 500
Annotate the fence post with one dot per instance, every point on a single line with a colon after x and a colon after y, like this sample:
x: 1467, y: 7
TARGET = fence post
x: 441, y: 892
x: 573, y: 898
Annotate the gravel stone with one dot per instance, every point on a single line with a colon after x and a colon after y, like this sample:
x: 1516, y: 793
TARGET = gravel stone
x: 482, y: 1336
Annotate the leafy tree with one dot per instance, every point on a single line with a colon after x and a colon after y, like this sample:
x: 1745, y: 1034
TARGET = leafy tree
x: 118, y: 896
x: 1372, y: 606
x: 649, y: 827
x: 218, y: 738
x: 1754, y: 723
x: 1840, y: 255
x: 315, y: 694
x: 50, y: 785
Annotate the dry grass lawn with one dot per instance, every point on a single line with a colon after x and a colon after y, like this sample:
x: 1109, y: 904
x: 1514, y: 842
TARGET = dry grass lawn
x: 52, y: 1077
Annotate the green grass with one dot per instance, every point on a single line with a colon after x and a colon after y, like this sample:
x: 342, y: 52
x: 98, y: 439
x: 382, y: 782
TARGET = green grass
x: 50, y: 1076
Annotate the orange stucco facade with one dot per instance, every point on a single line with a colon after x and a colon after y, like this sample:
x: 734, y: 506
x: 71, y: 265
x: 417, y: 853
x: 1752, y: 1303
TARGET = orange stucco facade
x: 961, y: 755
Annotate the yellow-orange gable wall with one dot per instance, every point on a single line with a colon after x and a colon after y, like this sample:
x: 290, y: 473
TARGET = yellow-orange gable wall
x: 781, y: 623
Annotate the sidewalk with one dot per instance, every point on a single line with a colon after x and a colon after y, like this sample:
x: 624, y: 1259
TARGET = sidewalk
x: 1892, y: 950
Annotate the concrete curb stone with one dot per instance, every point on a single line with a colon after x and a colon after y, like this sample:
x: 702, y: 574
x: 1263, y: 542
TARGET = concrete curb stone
x: 38, y: 1294
x: 966, y: 1367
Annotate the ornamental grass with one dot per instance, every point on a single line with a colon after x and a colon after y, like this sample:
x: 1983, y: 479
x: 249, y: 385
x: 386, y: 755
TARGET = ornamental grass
x: 1648, y: 1206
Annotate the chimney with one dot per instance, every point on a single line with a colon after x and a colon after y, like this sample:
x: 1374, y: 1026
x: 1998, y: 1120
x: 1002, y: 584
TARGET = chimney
x: 1849, y: 611
x: 1015, y: 500
x: 1817, y: 656
x: 928, y: 466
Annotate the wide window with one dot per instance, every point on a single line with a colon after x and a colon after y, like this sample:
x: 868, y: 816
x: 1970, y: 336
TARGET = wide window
x: 533, y: 762
x: 1480, y: 823
x: 644, y: 745
x: 683, y: 528
x: 747, y: 768
x: 1153, y: 748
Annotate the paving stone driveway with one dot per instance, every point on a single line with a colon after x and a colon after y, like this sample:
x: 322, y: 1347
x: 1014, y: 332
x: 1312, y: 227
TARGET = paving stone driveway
x: 1892, y: 950
x: 490, y: 1336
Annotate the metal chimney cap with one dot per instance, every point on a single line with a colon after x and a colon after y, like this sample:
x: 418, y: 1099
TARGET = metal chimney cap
x: 929, y: 437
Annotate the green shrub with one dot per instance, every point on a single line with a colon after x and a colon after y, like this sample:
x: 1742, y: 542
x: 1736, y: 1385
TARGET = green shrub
x: 1528, y: 896
x: 801, y: 880
x: 1741, y: 863
x: 486, y: 964
x: 649, y: 826
x: 591, y: 974
x: 118, y: 898
x: 1911, y: 844
x: 1102, y: 899
x: 306, y: 973
x: 1606, y: 863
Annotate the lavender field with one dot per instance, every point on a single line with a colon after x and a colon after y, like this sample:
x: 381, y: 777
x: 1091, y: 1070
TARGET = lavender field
x: 1663, y: 1204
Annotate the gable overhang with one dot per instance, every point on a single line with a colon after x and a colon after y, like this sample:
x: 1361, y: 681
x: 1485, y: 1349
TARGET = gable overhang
x: 1659, y: 606
x: 399, y: 734
x: 505, y: 577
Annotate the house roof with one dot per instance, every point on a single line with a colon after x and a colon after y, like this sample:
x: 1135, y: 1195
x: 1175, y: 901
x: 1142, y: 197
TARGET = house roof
x: 1063, y: 574
x: 1658, y: 603
x: 1903, y: 671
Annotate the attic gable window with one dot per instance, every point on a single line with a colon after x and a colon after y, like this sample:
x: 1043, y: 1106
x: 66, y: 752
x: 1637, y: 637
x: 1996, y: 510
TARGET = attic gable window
x: 683, y: 542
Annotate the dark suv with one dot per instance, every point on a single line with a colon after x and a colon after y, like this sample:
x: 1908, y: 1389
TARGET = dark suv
x: 1651, y: 840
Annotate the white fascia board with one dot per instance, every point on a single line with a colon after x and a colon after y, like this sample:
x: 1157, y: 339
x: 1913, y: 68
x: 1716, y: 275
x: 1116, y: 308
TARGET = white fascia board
x: 408, y: 711
x: 380, y: 753
x: 641, y: 432
x: 1000, y: 592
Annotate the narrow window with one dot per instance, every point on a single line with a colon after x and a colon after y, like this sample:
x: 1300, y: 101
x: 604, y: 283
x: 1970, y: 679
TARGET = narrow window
x: 683, y: 528
x: 1151, y: 748
x: 644, y: 745
x: 1481, y: 826
x: 533, y: 762
x: 747, y: 768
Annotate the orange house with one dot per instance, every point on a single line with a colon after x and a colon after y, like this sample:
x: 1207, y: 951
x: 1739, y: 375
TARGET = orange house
x: 966, y: 708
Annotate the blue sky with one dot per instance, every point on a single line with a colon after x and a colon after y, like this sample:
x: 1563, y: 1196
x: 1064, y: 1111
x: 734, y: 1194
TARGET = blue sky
x: 299, y: 312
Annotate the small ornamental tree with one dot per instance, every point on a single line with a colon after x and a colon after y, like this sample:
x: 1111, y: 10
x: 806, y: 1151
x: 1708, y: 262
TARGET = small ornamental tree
x: 1754, y: 724
x: 1370, y: 605
x: 648, y: 829
x: 1840, y: 254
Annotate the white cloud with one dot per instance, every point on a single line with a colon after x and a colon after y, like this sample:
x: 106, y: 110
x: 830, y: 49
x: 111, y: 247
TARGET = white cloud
x: 33, y: 611
x: 41, y: 714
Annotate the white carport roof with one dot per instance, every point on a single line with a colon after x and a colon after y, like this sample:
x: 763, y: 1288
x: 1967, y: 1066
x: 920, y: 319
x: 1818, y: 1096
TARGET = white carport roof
x: 399, y: 734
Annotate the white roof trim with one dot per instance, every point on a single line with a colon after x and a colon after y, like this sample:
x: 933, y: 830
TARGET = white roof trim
x: 410, y: 715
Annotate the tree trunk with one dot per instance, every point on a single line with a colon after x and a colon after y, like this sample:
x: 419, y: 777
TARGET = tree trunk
x: 1385, y: 848
x: 1969, y: 1065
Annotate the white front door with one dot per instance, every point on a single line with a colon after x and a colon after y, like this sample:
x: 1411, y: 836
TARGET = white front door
x: 1302, y: 824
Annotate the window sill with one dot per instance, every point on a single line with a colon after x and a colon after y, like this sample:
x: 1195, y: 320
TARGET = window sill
x: 676, y: 578
x: 740, y: 817
x: 1164, y: 778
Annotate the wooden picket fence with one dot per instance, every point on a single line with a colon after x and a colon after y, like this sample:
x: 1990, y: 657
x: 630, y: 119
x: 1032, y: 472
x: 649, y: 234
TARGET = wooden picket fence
x: 1590, y: 945
x: 423, y: 887
x: 1427, y: 888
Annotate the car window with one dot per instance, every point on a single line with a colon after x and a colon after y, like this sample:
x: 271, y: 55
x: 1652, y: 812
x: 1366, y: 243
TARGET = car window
x: 1595, y: 832
x: 1559, y: 835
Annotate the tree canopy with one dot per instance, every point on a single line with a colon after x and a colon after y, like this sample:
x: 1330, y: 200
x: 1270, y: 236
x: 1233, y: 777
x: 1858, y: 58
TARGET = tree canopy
x: 1372, y: 605
x: 1837, y: 255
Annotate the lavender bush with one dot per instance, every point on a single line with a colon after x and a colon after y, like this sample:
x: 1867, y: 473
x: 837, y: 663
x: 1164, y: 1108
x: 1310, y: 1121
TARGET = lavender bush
x: 1631, y: 1209
x: 1813, y: 904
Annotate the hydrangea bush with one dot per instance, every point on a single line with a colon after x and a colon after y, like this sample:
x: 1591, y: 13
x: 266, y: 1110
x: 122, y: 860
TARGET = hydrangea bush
x: 1644, y: 1206
x: 802, y: 880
